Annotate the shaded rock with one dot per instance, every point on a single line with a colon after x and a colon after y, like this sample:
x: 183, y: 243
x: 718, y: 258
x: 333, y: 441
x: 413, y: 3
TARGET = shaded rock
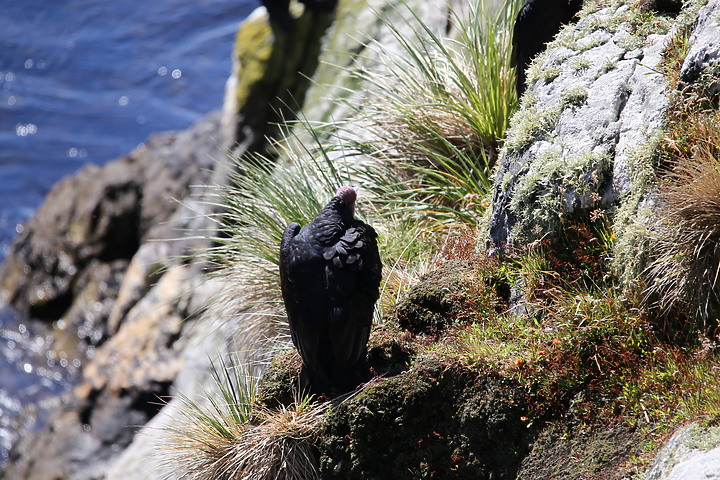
x: 105, y: 214
x: 94, y: 299
x: 85, y: 435
x: 536, y: 24
x: 272, y: 67
x: 92, y: 215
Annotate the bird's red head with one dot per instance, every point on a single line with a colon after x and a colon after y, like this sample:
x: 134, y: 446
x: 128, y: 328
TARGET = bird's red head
x: 348, y: 195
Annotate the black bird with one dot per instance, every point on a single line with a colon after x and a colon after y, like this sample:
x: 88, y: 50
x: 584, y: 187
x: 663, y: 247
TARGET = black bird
x: 279, y: 10
x: 330, y: 274
x: 536, y: 24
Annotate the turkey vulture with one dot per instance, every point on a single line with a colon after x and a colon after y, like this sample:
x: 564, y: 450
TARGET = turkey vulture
x: 330, y: 274
x: 536, y: 24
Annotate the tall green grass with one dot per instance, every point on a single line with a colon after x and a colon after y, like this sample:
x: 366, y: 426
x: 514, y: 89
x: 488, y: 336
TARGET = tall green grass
x: 421, y: 150
x: 437, y: 112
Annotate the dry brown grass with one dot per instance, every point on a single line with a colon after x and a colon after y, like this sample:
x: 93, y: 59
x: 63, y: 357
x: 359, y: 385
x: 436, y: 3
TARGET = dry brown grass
x: 272, y: 445
x: 684, y: 272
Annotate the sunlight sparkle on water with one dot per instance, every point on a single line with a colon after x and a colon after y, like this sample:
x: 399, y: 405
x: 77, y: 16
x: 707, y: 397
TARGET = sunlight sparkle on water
x: 25, y: 130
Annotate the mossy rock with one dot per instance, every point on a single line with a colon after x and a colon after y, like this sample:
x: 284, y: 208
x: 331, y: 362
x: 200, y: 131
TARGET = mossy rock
x: 571, y: 449
x: 459, y: 292
x: 390, y: 352
x: 434, y: 421
x: 279, y: 386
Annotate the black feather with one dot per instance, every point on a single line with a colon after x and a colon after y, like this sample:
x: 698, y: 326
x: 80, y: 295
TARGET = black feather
x: 330, y: 273
x: 536, y: 24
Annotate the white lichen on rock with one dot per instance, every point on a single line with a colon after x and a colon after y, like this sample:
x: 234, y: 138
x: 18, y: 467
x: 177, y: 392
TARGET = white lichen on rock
x: 598, y: 100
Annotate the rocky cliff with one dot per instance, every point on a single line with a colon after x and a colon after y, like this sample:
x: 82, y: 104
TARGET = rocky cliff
x: 107, y: 254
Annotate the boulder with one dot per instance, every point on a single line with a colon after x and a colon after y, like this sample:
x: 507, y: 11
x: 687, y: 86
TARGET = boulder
x: 692, y: 453
x: 703, y: 57
x: 595, y: 99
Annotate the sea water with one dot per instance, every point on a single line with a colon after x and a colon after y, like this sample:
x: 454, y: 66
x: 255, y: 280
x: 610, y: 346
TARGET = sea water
x: 86, y: 81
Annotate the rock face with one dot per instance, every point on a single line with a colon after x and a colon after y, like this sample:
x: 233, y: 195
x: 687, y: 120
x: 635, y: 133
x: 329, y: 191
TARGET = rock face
x: 384, y: 431
x: 102, y: 215
x: 584, y: 137
x: 93, y: 265
x: 693, y: 453
x: 272, y: 68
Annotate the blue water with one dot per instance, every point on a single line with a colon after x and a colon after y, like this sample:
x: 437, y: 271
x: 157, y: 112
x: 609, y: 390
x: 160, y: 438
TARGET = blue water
x: 86, y: 82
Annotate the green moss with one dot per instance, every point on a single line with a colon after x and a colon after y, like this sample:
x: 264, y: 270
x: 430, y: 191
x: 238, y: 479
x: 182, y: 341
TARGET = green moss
x: 257, y: 54
x: 434, y: 421
x: 579, y: 64
x: 573, y: 450
x: 530, y: 125
x: 459, y: 292
x: 280, y: 385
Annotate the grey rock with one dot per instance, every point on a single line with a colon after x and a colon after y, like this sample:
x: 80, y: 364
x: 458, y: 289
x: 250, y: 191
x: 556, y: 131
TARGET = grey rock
x: 595, y: 98
x: 704, y: 53
x: 94, y: 298
x: 105, y: 213
x: 122, y: 389
x: 692, y: 453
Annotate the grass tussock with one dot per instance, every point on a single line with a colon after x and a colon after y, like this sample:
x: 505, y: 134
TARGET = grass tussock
x: 262, y: 198
x: 232, y: 437
x: 438, y: 98
x: 683, y: 277
x: 437, y: 112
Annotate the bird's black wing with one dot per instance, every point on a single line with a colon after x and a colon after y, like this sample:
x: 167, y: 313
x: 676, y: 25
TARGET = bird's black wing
x: 302, y: 284
x: 354, y: 273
